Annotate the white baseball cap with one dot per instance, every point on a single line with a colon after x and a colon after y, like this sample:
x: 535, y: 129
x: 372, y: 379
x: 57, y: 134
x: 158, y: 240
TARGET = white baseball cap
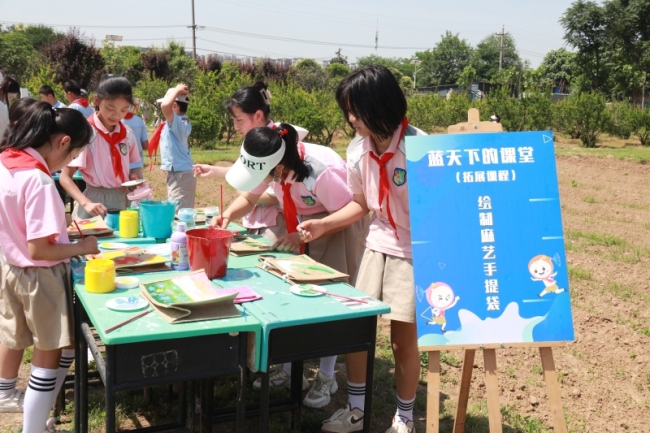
x: 179, y: 98
x: 249, y: 171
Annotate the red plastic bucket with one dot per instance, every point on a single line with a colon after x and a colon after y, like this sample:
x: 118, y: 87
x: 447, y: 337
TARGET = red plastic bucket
x: 209, y: 249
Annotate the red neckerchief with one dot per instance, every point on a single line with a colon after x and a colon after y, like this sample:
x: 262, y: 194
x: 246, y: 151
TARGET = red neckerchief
x: 15, y: 158
x: 129, y: 115
x: 152, y: 149
x: 81, y: 101
x: 113, y: 139
x: 288, y: 205
x: 384, y: 185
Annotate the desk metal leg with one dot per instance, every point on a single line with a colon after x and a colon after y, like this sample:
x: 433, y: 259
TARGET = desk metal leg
x: 296, y: 393
x: 241, y: 386
x: 207, y: 403
x: 81, y: 376
x: 264, y: 403
x: 110, y: 390
x: 370, y: 368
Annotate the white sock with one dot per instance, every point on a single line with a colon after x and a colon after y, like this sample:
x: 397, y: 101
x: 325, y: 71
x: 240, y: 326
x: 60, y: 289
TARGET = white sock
x: 286, y: 367
x: 357, y: 395
x: 327, y: 365
x: 7, y: 386
x: 67, y: 358
x: 405, y: 408
x: 38, y: 399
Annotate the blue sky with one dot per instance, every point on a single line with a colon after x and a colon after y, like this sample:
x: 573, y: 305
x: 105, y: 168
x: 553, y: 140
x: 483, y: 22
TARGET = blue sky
x: 274, y: 28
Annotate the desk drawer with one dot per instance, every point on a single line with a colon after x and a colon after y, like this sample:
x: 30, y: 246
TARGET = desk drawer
x: 191, y: 357
x: 346, y: 336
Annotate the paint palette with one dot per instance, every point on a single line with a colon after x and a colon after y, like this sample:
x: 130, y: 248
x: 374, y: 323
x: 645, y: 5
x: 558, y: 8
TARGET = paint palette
x: 133, y: 183
x: 113, y: 246
x: 307, y: 290
x: 131, y: 303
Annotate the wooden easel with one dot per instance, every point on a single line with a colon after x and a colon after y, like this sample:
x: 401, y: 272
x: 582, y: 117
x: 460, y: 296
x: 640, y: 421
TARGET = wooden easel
x: 474, y: 125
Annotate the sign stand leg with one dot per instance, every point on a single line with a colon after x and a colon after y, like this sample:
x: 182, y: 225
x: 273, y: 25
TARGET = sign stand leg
x: 433, y: 393
x: 463, y: 396
x: 492, y: 386
x: 553, y: 390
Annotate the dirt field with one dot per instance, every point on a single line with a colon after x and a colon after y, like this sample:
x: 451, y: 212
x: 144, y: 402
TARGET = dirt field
x: 605, y: 374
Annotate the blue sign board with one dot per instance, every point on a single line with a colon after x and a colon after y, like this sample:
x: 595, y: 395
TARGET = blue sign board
x: 488, y: 246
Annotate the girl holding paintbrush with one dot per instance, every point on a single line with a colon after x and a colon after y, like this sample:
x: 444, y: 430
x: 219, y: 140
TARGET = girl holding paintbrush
x: 310, y: 181
x: 36, y: 295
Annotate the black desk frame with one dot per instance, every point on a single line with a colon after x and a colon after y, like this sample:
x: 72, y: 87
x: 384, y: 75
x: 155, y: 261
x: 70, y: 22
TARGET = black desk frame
x: 150, y: 363
x: 297, y: 343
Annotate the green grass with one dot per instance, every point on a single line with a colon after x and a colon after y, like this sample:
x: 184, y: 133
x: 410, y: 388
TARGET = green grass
x: 580, y: 274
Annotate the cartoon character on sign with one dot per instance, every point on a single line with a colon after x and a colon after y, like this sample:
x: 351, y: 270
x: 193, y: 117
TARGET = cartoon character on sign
x: 541, y: 269
x: 441, y: 298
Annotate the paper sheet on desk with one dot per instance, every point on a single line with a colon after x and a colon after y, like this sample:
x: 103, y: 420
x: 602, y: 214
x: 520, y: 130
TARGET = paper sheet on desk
x: 354, y: 305
x: 244, y: 294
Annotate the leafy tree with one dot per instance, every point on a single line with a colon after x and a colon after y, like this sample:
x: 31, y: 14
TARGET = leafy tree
x: 342, y: 60
x: 308, y: 74
x: 74, y: 59
x: 40, y: 35
x: 583, y: 116
x: 182, y: 67
x: 17, y: 56
x: 335, y: 73
x: 466, y: 78
x: 156, y: 63
x: 559, y: 67
x: 584, y: 29
x: 485, y: 58
x: 123, y: 60
x: 209, y: 63
x: 401, y: 64
x: 444, y: 63
x: 628, y: 30
x: 44, y: 75
x: 640, y: 125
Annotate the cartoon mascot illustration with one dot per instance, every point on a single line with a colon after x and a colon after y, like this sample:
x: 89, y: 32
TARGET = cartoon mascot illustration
x: 441, y: 298
x: 541, y: 269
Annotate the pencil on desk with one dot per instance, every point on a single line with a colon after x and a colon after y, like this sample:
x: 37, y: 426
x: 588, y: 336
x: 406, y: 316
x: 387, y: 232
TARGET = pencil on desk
x: 340, y: 296
x: 113, y: 328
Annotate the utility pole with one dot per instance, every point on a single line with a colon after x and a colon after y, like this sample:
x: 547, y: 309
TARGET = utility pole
x: 377, y: 37
x: 338, y: 55
x: 194, y: 33
x: 502, y: 34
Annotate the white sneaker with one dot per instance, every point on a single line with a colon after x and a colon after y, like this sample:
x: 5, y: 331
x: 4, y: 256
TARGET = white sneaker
x: 319, y: 392
x: 344, y: 421
x: 279, y: 379
x: 13, y: 403
x: 401, y: 425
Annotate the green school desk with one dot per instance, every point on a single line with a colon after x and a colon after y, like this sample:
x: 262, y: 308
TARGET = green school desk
x: 150, y: 351
x: 295, y: 328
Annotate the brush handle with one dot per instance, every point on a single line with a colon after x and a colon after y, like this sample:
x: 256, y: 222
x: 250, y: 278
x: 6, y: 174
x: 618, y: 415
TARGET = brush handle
x: 340, y: 296
x: 113, y: 328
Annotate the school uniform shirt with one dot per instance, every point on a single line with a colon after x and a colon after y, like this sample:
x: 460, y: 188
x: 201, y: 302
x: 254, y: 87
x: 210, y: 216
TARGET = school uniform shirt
x: 59, y: 104
x: 140, y: 132
x: 174, y: 148
x: 4, y: 118
x: 324, y: 190
x: 86, y: 111
x: 363, y: 178
x: 30, y: 208
x: 95, y: 163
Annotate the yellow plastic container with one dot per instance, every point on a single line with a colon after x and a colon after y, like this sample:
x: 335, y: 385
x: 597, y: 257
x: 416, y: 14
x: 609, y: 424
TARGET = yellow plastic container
x: 100, y: 276
x: 129, y: 224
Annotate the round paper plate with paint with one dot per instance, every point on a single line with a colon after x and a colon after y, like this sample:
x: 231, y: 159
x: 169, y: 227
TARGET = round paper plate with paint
x: 113, y: 246
x: 164, y: 250
x: 307, y: 290
x: 126, y: 304
x: 133, y: 183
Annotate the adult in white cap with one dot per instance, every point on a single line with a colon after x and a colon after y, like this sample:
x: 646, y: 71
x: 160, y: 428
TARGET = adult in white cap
x: 310, y: 181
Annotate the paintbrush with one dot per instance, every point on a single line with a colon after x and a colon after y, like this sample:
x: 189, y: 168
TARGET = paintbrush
x: 78, y: 229
x: 137, y: 316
